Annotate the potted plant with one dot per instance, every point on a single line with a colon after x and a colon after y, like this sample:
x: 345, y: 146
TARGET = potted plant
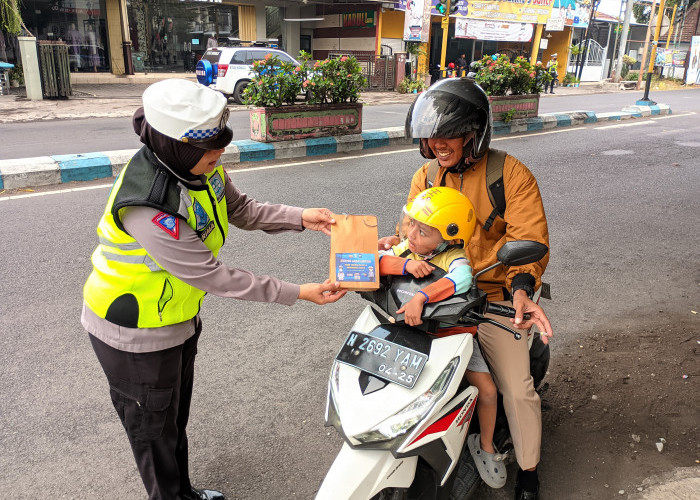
x: 332, y: 88
x: 16, y: 76
x: 513, y: 87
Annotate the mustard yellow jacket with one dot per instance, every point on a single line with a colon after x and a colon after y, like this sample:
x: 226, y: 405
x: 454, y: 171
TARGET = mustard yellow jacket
x: 524, y: 219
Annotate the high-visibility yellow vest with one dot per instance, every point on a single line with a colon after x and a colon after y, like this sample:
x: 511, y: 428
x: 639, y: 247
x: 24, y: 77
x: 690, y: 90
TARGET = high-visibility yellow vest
x: 127, y: 286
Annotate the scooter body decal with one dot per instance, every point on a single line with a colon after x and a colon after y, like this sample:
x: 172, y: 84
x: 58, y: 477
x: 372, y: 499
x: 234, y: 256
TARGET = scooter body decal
x: 440, y: 426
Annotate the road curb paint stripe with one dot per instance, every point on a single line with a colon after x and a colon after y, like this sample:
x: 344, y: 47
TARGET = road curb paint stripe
x: 40, y: 171
x: 83, y: 167
x: 321, y: 146
x: 375, y: 139
x: 255, y: 151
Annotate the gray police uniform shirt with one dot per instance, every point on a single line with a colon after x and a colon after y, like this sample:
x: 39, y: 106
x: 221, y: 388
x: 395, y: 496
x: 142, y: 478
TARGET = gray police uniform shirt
x: 188, y: 259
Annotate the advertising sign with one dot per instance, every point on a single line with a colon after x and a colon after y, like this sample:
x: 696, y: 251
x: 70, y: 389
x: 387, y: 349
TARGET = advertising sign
x: 416, y: 26
x: 528, y: 11
x: 574, y: 12
x: 358, y: 19
x: 555, y: 24
x: 493, y: 30
x: 693, y: 76
x: 534, y: 11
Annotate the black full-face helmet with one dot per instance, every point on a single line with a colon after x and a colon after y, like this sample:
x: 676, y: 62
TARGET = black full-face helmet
x: 451, y: 108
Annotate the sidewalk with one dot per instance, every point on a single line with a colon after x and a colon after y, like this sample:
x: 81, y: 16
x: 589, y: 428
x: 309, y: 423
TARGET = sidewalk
x: 121, y: 97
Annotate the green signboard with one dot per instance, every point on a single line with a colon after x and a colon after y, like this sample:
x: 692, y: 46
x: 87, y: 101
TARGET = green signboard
x: 358, y: 19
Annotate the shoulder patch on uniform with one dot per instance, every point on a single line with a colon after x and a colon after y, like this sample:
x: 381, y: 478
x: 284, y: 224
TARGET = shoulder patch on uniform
x: 168, y: 223
x: 217, y: 184
x: 200, y: 216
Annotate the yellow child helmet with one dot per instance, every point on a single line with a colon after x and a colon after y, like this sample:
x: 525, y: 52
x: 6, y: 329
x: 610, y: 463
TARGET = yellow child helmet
x: 445, y: 209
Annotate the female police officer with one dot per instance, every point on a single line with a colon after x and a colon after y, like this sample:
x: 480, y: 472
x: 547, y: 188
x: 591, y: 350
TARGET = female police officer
x: 452, y: 119
x: 166, y: 219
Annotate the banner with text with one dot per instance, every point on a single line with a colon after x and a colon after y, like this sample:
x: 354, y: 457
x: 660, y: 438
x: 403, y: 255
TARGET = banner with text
x: 416, y: 26
x: 574, y: 12
x: 693, y: 76
x: 499, y: 31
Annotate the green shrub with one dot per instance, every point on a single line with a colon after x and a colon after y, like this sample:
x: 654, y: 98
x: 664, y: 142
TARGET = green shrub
x: 632, y: 76
x: 331, y: 81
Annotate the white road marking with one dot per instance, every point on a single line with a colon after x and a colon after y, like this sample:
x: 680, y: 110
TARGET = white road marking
x: 673, y: 116
x: 620, y: 125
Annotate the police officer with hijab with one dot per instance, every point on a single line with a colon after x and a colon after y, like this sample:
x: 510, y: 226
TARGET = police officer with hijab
x: 166, y: 219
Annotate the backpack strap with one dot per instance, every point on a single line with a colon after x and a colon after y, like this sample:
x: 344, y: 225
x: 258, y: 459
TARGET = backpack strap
x: 431, y: 173
x: 494, y: 185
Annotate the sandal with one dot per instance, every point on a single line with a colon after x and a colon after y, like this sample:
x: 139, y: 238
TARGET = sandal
x: 490, y: 465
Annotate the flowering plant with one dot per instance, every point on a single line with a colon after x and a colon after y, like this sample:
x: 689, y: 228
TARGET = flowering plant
x: 498, y: 76
x: 329, y: 81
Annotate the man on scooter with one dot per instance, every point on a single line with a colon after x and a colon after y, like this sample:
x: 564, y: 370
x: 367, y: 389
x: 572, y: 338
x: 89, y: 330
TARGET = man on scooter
x: 452, y: 119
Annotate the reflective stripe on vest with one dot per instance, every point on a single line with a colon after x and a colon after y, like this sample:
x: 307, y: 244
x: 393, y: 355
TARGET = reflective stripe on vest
x: 121, y: 266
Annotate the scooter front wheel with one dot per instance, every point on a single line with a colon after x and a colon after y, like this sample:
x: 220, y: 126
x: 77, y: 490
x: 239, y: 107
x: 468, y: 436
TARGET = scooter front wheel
x: 392, y: 494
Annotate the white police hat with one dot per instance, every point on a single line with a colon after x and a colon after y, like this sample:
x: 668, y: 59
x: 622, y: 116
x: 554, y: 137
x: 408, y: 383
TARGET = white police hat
x: 188, y: 112
x: 554, y: 55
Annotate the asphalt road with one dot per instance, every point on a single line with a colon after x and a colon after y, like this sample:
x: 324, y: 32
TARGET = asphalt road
x: 622, y: 204
x: 22, y: 140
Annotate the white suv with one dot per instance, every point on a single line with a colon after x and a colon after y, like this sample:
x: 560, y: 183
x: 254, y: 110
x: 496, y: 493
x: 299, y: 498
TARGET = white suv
x: 230, y: 69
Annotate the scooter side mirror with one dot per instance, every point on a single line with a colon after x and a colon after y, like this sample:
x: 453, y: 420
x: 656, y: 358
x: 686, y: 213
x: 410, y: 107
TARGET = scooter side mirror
x: 518, y: 253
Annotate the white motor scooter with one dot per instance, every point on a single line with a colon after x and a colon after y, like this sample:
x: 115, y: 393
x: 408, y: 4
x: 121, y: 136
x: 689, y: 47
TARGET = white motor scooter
x: 396, y: 393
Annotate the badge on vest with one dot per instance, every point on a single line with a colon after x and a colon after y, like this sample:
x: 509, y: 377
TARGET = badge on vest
x: 200, y: 215
x: 207, y: 231
x: 217, y: 184
x: 168, y: 223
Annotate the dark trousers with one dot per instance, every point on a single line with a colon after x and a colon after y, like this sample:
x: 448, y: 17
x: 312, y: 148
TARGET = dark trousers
x: 152, y: 393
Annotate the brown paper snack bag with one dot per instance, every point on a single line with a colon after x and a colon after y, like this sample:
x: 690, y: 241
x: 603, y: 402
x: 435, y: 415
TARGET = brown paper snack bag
x: 354, y: 262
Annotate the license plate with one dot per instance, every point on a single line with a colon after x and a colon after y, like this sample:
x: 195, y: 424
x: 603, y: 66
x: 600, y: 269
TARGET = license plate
x: 385, y: 359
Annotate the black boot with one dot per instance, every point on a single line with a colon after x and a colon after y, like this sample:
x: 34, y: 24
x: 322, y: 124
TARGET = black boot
x: 196, y: 494
x: 527, y: 485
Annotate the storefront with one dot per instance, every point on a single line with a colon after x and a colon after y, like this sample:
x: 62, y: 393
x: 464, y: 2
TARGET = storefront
x: 80, y: 23
x: 171, y: 35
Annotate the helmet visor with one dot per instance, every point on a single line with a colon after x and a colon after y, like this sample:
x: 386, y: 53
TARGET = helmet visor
x: 440, y: 114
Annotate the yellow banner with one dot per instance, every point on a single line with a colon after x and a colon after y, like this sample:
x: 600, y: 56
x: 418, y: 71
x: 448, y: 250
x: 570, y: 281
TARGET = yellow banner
x: 521, y: 11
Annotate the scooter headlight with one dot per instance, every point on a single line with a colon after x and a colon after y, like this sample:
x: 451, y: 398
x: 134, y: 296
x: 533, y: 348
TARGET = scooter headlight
x: 402, y: 421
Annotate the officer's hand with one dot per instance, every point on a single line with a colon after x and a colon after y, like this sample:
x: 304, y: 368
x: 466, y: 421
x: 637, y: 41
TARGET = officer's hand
x: 318, y: 219
x: 523, y: 304
x: 321, y: 293
x: 387, y: 242
x: 419, y: 268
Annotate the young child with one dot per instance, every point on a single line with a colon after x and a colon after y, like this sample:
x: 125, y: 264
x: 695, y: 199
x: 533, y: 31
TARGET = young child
x: 436, y: 226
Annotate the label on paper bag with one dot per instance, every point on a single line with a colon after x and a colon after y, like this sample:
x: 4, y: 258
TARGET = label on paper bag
x: 356, y: 267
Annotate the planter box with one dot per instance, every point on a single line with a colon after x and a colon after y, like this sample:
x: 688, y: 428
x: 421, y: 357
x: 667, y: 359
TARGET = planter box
x: 526, y: 105
x: 305, y: 121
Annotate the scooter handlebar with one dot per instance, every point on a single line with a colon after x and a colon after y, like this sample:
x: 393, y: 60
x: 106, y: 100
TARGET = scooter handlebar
x: 506, y: 311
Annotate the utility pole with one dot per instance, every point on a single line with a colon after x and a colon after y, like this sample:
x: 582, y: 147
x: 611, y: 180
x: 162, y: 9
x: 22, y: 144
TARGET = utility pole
x: 623, y: 42
x: 652, y: 57
x: 445, y: 32
x: 646, y: 46
x: 594, y: 7
x: 616, y: 48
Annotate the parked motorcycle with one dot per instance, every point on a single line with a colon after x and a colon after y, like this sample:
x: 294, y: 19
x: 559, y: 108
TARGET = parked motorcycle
x: 398, y: 398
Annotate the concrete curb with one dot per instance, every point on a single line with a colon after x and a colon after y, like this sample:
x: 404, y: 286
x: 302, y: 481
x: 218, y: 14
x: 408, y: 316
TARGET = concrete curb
x: 58, y: 169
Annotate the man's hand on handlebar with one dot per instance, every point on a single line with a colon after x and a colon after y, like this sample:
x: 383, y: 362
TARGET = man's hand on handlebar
x: 523, y: 304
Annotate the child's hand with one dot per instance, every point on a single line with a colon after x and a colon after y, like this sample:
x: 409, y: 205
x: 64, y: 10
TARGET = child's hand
x: 419, y: 268
x: 413, y: 309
